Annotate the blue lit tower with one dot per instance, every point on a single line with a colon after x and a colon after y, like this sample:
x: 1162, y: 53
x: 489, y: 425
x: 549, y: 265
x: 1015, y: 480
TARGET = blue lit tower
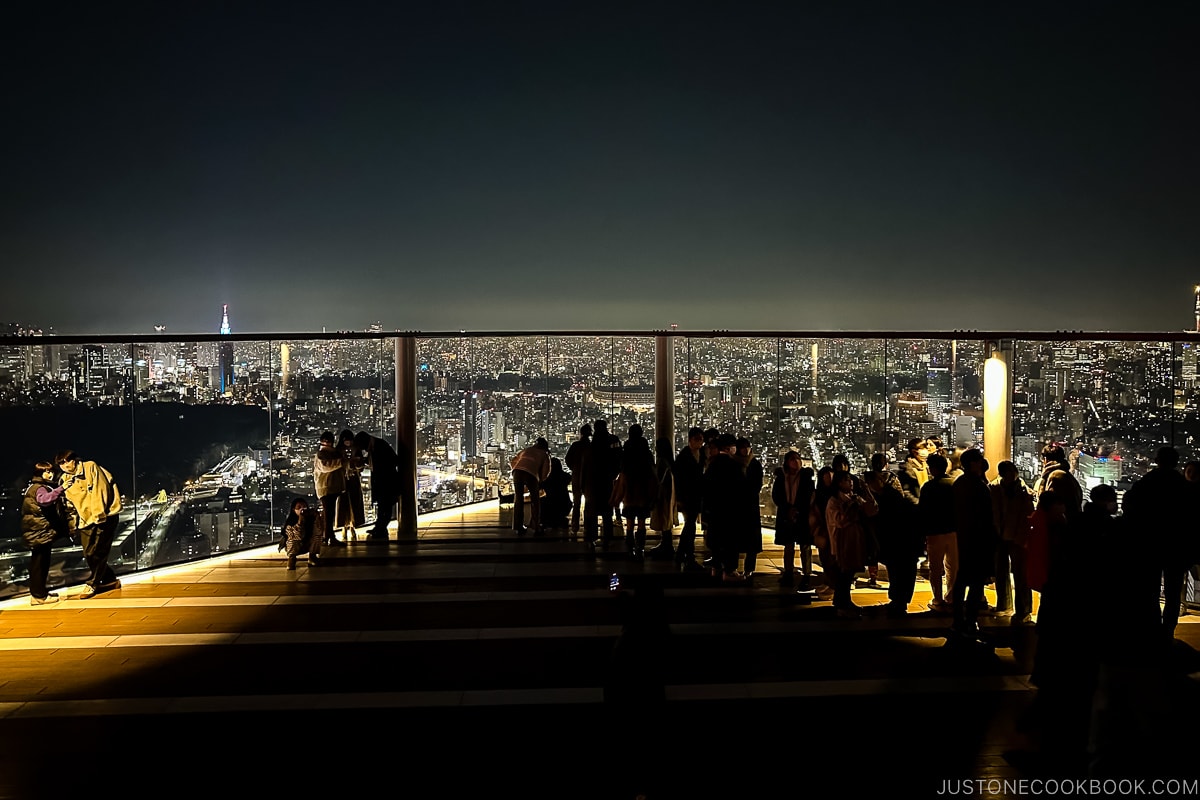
x: 225, y: 352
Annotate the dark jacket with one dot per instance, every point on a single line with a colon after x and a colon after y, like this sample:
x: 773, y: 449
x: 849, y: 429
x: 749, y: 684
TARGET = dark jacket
x: 724, y: 505
x: 936, y: 506
x: 385, y: 470
x: 791, y: 519
x: 42, y: 524
x: 898, y: 533
x: 689, y: 480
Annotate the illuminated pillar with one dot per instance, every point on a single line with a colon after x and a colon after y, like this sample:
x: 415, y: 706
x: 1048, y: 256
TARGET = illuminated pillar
x: 664, y: 389
x: 997, y: 407
x: 406, y: 434
x: 814, y: 366
x: 285, y: 362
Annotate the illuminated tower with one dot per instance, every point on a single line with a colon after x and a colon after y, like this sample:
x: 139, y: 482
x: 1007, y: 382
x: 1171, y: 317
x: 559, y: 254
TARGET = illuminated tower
x: 1197, y: 291
x: 225, y: 352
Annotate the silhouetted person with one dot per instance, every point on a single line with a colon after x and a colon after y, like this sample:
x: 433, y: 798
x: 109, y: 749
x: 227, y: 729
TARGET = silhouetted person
x: 724, y: 507
x: 975, y: 529
x: 663, y: 517
x: 1067, y: 659
x: 1160, y: 510
x: 574, y: 462
x: 600, y: 467
x: 898, y: 533
x: 636, y: 489
x: 556, y: 505
x: 1012, y: 506
x: 385, y: 481
x: 749, y: 531
x: 689, y: 494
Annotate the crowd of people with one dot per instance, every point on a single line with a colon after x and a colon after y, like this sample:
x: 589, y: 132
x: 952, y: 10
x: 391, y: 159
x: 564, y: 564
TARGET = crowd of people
x: 937, y: 508
x: 338, y: 465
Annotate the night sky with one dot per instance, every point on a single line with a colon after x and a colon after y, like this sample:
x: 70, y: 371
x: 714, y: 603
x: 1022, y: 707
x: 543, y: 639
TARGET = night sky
x: 570, y: 165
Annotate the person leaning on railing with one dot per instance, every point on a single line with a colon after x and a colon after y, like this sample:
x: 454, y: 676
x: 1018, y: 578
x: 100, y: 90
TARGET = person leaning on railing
x: 96, y: 502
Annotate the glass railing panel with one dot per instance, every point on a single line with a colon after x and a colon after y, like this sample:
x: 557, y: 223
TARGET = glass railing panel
x: 56, y: 397
x: 484, y: 399
x: 848, y: 408
x: 578, y: 386
x: 799, y: 400
x: 686, y: 398
x: 730, y: 384
x: 1110, y: 404
x: 340, y: 386
x: 201, y: 433
x: 1186, y: 378
x: 934, y: 391
x: 630, y: 386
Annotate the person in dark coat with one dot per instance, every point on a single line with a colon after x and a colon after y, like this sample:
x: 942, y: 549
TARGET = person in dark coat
x: 898, y: 533
x: 975, y: 528
x: 750, y: 530
x: 385, y: 481
x: 574, y: 463
x: 556, y: 505
x: 688, y: 470
x: 1159, y: 510
x: 725, y: 491
x: 44, y: 518
x: 600, y: 466
x: 791, y: 492
x: 636, y: 489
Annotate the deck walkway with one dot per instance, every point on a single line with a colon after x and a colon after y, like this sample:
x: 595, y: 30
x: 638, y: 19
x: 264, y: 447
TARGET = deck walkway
x: 473, y: 662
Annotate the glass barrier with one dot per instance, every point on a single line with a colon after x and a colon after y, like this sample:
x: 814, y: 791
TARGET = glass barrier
x: 209, y: 441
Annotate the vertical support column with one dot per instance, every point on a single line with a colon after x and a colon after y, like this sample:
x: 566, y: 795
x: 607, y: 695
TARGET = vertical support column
x: 997, y: 405
x: 664, y: 389
x: 406, y: 434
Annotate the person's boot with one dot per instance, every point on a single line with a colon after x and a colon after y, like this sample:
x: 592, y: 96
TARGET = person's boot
x: 664, y: 550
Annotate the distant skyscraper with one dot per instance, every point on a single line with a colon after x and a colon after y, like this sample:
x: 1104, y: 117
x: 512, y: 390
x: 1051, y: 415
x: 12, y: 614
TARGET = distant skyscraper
x: 225, y: 352
x: 1197, y: 291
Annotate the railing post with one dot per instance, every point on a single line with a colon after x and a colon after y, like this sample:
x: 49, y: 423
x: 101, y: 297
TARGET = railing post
x: 664, y: 389
x: 406, y: 434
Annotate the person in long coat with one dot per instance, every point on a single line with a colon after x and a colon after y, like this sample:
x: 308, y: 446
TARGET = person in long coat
x: 384, y: 464
x: 791, y: 492
x: 351, y: 510
x: 724, y: 508
x: 846, y: 518
x: 750, y: 530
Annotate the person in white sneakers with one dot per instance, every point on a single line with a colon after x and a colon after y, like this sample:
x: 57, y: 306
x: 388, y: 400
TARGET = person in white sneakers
x: 43, y: 520
x: 96, y: 502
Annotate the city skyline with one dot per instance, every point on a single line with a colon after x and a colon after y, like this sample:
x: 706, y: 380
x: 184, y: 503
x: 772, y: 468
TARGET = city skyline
x: 551, y: 167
